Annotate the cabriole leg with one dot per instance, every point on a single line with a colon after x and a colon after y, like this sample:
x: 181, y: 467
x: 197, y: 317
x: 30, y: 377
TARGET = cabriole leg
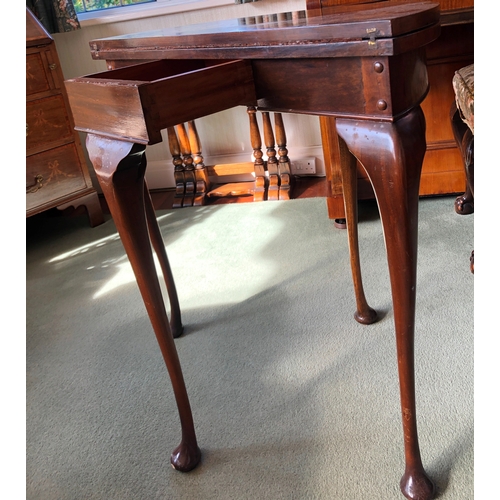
x: 120, y: 168
x: 364, y: 313
x: 159, y: 247
x: 395, y: 151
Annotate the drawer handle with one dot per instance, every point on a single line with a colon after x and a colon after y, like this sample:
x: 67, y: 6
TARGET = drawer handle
x: 35, y: 187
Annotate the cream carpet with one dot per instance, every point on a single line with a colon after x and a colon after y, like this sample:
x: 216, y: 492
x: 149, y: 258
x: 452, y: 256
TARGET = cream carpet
x: 292, y: 399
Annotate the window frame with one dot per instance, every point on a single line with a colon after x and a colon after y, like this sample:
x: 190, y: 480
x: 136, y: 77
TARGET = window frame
x: 140, y: 11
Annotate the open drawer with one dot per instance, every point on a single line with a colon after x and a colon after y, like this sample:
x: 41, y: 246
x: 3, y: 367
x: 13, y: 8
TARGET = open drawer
x: 135, y: 103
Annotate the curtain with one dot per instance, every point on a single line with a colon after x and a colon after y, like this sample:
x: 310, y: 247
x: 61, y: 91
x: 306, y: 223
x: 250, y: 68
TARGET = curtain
x: 57, y: 16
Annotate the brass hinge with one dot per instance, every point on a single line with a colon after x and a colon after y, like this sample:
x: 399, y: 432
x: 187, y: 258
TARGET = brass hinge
x: 371, y: 32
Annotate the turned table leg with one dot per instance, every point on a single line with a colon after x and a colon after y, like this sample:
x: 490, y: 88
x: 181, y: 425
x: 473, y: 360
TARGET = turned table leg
x: 120, y: 168
x: 392, y: 154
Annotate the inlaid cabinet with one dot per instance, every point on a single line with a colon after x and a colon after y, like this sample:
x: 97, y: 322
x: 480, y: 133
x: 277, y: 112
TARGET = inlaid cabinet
x: 57, y: 174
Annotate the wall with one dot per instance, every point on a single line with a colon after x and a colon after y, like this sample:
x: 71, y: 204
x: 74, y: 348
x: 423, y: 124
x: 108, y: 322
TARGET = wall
x: 225, y: 136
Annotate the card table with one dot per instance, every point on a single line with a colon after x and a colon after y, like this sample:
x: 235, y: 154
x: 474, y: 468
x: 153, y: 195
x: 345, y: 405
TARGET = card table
x: 363, y: 67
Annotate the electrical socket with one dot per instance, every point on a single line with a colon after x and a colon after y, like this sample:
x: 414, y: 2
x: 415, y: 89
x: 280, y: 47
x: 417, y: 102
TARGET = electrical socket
x: 303, y: 166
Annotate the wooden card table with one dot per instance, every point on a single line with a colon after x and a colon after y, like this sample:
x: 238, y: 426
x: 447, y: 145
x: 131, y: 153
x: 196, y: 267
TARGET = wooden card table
x: 363, y: 66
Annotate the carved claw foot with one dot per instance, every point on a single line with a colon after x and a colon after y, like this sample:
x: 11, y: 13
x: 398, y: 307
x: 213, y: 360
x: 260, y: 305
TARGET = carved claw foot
x: 416, y: 485
x: 366, y: 317
x: 185, y: 457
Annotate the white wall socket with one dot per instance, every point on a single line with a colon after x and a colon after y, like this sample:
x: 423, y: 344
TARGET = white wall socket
x: 303, y: 166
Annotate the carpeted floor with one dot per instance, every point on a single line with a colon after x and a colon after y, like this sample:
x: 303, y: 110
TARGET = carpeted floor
x: 292, y: 399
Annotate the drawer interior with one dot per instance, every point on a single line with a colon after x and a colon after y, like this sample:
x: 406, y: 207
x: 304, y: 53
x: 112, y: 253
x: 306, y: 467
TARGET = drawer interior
x: 155, y: 70
x: 134, y: 103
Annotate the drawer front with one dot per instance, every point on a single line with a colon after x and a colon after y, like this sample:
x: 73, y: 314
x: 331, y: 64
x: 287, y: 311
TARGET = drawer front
x: 37, y: 79
x: 52, y: 175
x: 46, y: 122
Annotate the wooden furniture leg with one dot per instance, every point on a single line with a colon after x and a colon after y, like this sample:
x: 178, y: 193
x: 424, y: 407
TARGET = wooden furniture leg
x: 285, y: 171
x: 392, y: 154
x: 334, y: 200
x: 260, y: 192
x: 175, y: 151
x: 464, y: 204
x: 187, y: 160
x: 273, y: 191
x: 120, y: 168
x: 348, y: 164
x: 273, y: 179
x: 201, y: 175
x: 468, y: 156
x: 159, y: 248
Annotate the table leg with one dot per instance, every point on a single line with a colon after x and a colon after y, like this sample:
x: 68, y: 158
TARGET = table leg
x: 348, y: 165
x: 120, y: 168
x: 159, y: 247
x: 392, y: 154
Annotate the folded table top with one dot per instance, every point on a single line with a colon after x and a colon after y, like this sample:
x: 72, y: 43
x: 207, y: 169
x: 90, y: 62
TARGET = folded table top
x: 385, y: 28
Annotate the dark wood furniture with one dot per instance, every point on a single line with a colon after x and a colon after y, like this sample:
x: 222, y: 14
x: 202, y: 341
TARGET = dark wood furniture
x: 196, y: 183
x: 462, y: 121
x: 56, y: 170
x: 363, y: 67
x: 454, y: 48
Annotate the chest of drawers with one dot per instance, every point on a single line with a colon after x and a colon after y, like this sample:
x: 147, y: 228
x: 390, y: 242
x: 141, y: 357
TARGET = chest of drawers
x: 56, y: 170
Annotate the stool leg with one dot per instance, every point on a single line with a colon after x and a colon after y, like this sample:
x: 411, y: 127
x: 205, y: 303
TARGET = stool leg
x: 285, y: 172
x: 187, y: 160
x: 273, y: 190
x: 261, y: 184
x: 200, y: 171
x: 180, y: 181
x: 120, y: 168
x: 395, y: 152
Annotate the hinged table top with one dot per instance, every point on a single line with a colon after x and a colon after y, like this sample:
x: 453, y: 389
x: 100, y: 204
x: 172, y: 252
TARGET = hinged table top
x: 356, y: 30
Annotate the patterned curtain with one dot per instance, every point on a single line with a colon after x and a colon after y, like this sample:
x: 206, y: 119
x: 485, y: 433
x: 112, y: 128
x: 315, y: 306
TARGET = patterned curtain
x: 57, y: 16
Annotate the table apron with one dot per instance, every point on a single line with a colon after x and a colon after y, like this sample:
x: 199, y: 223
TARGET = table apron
x: 379, y: 87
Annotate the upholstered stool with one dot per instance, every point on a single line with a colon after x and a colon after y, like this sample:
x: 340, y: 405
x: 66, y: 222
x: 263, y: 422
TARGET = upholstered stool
x: 462, y: 119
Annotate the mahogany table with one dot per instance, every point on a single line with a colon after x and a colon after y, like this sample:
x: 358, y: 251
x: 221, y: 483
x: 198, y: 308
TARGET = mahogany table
x: 364, y: 66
